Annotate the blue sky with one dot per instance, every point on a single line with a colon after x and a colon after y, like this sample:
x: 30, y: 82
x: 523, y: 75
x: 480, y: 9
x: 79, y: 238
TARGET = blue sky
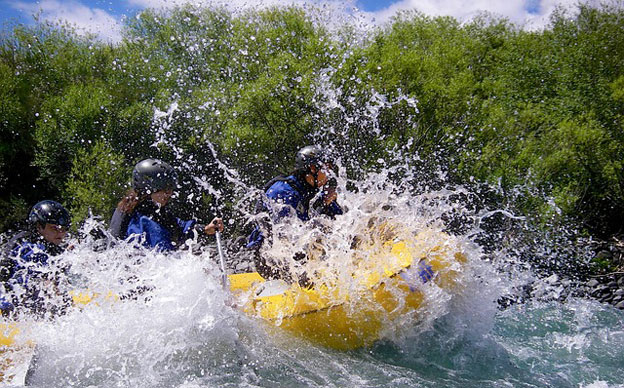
x: 103, y: 17
x: 121, y: 7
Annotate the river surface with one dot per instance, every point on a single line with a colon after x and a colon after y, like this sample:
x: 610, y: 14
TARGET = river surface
x: 177, y: 327
x: 183, y: 333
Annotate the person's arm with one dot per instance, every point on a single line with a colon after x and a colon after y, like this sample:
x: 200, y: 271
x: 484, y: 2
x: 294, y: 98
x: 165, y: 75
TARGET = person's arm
x: 329, y: 205
x: 119, y: 223
x: 215, y: 225
x: 123, y: 213
x: 329, y: 191
x: 189, y: 226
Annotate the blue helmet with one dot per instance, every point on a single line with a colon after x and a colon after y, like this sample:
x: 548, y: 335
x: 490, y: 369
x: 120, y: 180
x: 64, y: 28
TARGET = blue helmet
x: 49, y: 212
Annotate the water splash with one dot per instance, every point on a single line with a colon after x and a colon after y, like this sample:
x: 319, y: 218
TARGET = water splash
x: 174, y: 326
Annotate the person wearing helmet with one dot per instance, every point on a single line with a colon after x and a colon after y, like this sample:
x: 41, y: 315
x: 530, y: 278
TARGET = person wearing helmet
x: 311, y: 178
x: 313, y: 168
x: 26, y: 272
x: 143, y: 211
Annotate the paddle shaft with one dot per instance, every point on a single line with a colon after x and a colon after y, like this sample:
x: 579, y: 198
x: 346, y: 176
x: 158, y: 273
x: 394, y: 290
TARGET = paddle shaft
x: 224, y: 279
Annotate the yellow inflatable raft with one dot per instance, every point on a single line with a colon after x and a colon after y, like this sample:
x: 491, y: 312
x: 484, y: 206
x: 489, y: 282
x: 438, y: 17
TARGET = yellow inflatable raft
x: 387, y: 284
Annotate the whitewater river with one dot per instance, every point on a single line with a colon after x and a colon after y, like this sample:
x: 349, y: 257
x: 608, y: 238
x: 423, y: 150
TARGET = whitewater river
x: 179, y: 328
x: 183, y: 333
x: 192, y: 340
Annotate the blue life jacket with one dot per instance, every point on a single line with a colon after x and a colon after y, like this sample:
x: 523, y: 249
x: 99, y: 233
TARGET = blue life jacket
x: 158, y: 229
x: 28, y: 257
x: 296, y: 195
x: 5, y: 305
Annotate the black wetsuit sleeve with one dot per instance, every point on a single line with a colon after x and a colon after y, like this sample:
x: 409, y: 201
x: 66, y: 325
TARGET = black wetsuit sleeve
x: 119, y: 224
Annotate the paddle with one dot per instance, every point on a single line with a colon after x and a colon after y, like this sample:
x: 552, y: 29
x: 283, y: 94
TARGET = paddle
x: 224, y: 278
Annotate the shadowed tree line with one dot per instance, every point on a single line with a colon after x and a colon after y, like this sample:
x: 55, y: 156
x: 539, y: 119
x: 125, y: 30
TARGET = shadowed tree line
x: 538, y: 114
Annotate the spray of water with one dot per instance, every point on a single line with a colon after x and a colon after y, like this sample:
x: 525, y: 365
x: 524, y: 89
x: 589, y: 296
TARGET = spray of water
x: 164, y: 320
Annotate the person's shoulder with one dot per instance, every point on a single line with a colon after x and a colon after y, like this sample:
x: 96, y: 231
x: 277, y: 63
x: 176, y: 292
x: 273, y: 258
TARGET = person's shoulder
x: 141, y: 220
x: 21, y: 239
x: 27, y: 248
x: 143, y: 214
x: 281, y: 186
x: 286, y: 192
x: 133, y: 218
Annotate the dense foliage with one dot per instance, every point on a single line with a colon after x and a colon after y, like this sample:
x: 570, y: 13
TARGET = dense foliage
x: 538, y: 113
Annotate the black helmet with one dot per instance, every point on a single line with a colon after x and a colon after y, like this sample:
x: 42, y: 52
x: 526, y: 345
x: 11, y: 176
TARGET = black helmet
x: 49, y: 212
x: 311, y: 155
x: 153, y: 175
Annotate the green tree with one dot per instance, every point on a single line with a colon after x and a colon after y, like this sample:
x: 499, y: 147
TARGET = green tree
x: 97, y: 181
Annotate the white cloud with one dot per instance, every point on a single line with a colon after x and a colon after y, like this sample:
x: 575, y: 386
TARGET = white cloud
x: 333, y: 13
x: 528, y: 13
x: 232, y: 4
x: 240, y: 5
x: 85, y: 19
x: 531, y: 14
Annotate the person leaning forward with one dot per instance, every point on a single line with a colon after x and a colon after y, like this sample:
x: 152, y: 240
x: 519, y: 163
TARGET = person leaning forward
x: 143, y: 210
x: 313, y: 167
